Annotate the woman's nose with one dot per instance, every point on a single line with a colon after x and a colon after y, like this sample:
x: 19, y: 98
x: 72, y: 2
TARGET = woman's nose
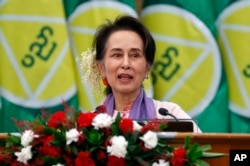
x: 126, y: 63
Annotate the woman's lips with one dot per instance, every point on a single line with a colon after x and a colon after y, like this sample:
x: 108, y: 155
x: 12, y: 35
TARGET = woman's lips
x: 125, y: 77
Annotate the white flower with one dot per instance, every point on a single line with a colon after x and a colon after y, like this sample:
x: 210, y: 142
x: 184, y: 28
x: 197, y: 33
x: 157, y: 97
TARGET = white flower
x: 102, y: 120
x: 150, y: 139
x: 118, y: 146
x: 58, y: 164
x: 72, y: 136
x: 161, y: 163
x: 136, y: 126
x: 24, y: 155
x: 27, y: 137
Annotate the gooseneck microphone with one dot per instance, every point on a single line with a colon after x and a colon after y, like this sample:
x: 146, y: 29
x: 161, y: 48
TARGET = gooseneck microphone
x: 165, y: 112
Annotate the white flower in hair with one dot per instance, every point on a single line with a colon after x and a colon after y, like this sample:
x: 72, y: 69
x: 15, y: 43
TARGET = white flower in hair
x: 91, y: 75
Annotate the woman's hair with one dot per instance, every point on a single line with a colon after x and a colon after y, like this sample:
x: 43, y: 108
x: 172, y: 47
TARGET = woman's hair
x: 123, y: 23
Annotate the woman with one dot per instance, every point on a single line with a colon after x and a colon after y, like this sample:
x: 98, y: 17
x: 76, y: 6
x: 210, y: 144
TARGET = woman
x: 124, y: 55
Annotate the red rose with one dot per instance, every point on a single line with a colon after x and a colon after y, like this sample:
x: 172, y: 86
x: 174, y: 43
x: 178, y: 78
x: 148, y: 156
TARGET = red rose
x: 1, y: 158
x: 179, y: 157
x: 68, y: 159
x: 47, y: 140
x: 153, y: 125
x: 142, y: 147
x: 47, y: 149
x: 38, y: 161
x: 115, y: 161
x: 101, y: 109
x: 57, y: 119
x: 38, y: 129
x: 85, y: 119
x: 126, y: 126
x: 81, y: 139
x: 15, y: 163
x: 107, y: 132
x: 50, y: 151
x: 101, y: 156
x: 44, y: 140
x: 83, y: 158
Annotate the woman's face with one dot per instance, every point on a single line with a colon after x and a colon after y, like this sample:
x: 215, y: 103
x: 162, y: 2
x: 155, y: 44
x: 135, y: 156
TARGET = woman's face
x: 124, y: 64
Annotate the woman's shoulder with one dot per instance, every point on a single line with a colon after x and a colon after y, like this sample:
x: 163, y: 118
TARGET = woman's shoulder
x: 171, y: 106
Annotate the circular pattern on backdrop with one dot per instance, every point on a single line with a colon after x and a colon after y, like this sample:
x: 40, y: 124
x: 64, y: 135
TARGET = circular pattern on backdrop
x: 233, y: 38
x: 83, y: 23
x: 36, y: 63
x: 187, y: 67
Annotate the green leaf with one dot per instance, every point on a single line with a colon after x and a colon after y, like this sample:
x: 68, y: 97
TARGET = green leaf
x: 40, y: 120
x: 94, y: 137
x: 163, y: 126
x: 200, y: 163
x: 140, y: 161
x: 204, y: 148
x: 12, y: 140
x: 187, y: 142
x: 115, y: 125
x: 194, y: 153
x: 212, y: 154
x: 49, y: 130
x: 74, y: 149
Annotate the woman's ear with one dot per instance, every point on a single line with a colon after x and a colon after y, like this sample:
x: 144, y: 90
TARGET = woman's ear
x: 148, y: 68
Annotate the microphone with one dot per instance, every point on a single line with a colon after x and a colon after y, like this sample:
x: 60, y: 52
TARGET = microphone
x: 165, y: 112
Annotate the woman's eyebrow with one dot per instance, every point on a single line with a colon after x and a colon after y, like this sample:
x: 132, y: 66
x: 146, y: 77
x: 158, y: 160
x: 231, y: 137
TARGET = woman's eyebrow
x: 136, y: 49
x: 132, y: 49
x: 116, y: 49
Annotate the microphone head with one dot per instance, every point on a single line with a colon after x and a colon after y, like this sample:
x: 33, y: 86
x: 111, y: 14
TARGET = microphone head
x: 163, y: 111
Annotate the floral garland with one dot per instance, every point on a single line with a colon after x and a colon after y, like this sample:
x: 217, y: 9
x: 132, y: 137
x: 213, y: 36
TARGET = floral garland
x: 90, y: 74
x: 75, y: 138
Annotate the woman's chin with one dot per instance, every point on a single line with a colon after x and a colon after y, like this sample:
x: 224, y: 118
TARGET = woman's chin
x: 126, y: 90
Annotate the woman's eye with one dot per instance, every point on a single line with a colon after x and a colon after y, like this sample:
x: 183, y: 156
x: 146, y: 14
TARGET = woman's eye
x: 117, y: 55
x: 135, y: 55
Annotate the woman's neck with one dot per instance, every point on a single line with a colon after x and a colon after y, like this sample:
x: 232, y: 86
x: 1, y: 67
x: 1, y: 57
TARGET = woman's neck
x: 124, y: 102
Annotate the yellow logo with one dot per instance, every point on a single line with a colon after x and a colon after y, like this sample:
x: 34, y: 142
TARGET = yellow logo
x: 187, y: 67
x: 37, y: 66
x: 234, y: 34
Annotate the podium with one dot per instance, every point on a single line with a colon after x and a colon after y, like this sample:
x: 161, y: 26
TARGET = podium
x: 220, y: 142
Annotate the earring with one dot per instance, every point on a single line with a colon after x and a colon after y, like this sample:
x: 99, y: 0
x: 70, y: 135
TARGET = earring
x: 146, y: 77
x: 105, y: 81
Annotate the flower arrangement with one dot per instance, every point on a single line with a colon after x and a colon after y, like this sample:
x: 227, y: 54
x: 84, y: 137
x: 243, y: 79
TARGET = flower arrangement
x: 75, y: 138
